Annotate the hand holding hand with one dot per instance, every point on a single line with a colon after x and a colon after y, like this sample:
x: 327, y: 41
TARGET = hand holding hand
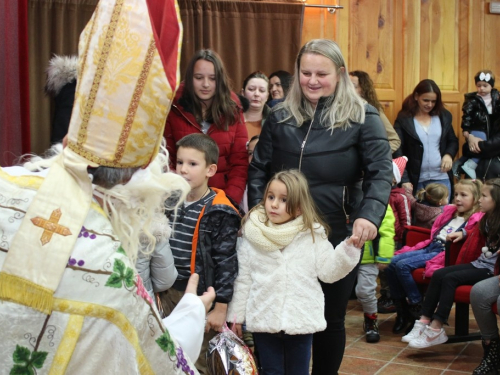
x: 207, y: 298
x: 351, y: 241
x: 216, y: 318
x: 455, y: 236
x: 364, y: 230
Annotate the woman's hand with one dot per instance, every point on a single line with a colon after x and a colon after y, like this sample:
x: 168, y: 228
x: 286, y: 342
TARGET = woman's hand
x: 446, y: 163
x: 364, y: 230
x: 473, y: 143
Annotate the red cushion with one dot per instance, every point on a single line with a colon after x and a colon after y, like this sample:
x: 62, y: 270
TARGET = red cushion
x: 418, y: 276
x: 462, y: 294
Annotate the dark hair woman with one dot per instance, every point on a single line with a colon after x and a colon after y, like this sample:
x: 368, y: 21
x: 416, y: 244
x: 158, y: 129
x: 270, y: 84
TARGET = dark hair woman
x: 427, y: 138
x: 204, y: 103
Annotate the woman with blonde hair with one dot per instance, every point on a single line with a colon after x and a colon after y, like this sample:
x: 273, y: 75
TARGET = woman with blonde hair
x: 340, y: 145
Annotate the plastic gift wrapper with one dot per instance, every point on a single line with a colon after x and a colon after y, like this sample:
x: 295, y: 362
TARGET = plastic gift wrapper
x: 227, y: 354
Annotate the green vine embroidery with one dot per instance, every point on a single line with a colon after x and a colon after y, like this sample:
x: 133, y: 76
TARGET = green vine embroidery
x: 26, y: 361
x: 122, y: 275
x: 166, y: 344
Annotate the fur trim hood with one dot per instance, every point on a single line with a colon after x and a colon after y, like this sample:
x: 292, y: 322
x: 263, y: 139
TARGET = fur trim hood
x: 61, y: 71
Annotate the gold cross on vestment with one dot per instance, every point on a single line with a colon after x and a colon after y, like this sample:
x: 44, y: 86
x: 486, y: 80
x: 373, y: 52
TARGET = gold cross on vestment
x: 51, y: 226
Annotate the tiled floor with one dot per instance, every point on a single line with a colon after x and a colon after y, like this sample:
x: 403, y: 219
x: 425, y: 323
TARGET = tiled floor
x: 393, y: 357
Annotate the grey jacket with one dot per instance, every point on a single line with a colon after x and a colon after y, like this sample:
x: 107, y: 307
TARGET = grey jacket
x: 157, y: 270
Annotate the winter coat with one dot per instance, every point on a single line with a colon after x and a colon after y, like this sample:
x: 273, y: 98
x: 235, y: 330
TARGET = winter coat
x: 443, y: 219
x: 216, y: 261
x: 279, y: 290
x: 349, y: 171
x: 401, y: 208
x: 423, y: 214
x: 232, y: 166
x: 381, y: 249
x: 413, y: 149
x: 157, y: 270
x: 475, y: 114
x: 489, y: 164
x: 469, y: 252
x: 392, y: 136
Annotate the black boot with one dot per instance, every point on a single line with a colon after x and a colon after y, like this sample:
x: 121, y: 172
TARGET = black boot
x: 415, y: 312
x: 402, y: 316
x: 370, y: 327
x: 490, y: 362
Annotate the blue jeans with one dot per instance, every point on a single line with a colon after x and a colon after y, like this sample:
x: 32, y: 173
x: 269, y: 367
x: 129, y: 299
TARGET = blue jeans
x: 281, y: 354
x: 399, y: 271
x: 446, y: 182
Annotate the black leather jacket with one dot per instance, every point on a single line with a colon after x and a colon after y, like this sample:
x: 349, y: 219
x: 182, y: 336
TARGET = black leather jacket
x: 489, y: 163
x: 475, y: 115
x: 349, y: 171
x: 413, y: 149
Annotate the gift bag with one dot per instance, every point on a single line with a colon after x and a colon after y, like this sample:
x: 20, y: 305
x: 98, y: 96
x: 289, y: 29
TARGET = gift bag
x: 227, y: 354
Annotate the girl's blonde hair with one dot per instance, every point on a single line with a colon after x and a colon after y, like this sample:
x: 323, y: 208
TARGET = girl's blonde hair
x: 344, y: 106
x: 433, y: 193
x: 298, y: 200
x: 475, y: 187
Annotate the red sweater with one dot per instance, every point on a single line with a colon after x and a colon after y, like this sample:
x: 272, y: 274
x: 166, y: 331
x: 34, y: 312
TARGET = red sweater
x: 232, y: 167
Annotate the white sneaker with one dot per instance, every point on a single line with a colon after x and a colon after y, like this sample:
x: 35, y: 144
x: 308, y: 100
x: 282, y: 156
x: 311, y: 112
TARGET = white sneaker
x: 429, y: 338
x: 417, y: 330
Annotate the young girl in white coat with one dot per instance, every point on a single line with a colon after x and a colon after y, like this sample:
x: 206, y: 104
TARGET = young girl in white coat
x: 283, y: 253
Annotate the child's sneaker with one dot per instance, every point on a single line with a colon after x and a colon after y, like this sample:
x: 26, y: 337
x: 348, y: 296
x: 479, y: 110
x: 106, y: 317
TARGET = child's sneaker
x: 469, y: 167
x: 417, y: 330
x: 370, y: 327
x: 429, y: 337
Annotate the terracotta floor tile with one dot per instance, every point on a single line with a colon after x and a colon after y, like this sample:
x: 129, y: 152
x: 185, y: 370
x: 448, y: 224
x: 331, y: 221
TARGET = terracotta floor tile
x: 398, y: 369
x: 376, y: 351
x: 392, y: 357
x: 360, y: 366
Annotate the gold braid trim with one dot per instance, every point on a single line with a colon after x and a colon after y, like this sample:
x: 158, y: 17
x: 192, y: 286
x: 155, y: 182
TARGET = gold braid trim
x: 27, y: 293
x: 106, y: 48
x: 136, y: 98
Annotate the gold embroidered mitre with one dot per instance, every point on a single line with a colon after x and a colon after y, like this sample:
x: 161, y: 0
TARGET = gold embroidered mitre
x: 128, y: 73
x: 123, y: 87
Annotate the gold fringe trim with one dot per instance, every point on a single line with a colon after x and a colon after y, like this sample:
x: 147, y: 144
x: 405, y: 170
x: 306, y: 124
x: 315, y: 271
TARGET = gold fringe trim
x: 25, y: 292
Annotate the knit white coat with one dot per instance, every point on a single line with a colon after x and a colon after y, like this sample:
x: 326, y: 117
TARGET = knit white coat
x: 279, y: 290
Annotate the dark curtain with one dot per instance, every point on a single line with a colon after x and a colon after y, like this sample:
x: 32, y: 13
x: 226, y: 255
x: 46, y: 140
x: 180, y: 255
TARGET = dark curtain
x: 14, y: 84
x: 54, y: 28
x: 248, y: 35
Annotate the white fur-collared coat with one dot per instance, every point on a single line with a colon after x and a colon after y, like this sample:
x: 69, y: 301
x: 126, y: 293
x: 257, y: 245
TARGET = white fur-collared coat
x: 279, y: 290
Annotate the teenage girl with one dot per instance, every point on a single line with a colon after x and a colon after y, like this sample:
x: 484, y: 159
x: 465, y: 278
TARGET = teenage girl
x: 205, y: 104
x: 399, y: 272
x: 283, y: 253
